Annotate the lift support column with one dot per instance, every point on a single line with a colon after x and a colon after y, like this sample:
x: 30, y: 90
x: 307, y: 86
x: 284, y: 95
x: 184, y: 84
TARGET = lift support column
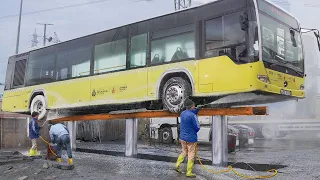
x: 72, y: 127
x: 131, y: 137
x: 219, y: 141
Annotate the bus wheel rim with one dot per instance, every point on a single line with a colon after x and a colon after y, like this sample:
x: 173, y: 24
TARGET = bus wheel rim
x: 174, y: 95
x: 38, y: 107
x: 165, y: 135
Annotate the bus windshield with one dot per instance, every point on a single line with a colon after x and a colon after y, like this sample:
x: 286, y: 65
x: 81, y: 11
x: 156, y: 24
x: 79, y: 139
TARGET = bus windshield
x: 281, y: 38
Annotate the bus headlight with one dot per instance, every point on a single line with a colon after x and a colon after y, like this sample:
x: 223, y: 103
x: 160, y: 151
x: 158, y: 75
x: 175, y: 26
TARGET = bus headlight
x: 301, y: 87
x: 264, y: 78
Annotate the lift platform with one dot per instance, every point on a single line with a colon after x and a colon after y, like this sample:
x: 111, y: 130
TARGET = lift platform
x: 219, y: 126
x: 238, y: 111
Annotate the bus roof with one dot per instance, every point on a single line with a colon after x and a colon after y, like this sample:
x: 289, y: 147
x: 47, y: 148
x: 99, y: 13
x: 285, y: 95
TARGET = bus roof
x: 195, y: 7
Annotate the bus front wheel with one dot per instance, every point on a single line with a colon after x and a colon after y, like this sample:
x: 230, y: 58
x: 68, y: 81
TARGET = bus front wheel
x: 39, y: 105
x: 175, y: 91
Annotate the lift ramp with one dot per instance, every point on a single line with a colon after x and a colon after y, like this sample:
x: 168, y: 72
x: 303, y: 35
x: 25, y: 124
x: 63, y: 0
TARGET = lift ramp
x: 219, y: 126
x: 117, y: 115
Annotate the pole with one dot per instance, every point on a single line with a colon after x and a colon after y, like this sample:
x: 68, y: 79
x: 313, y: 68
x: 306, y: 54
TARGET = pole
x: 131, y: 137
x: 219, y: 141
x: 72, y: 126
x: 19, y: 25
x: 45, y: 32
x: 1, y: 135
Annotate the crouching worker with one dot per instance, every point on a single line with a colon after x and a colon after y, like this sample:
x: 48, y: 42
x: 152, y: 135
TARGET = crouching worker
x: 189, y: 126
x: 34, y: 133
x: 59, y: 134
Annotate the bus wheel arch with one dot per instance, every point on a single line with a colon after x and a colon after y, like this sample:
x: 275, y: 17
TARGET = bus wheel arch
x: 38, y: 103
x: 165, y: 134
x: 173, y: 89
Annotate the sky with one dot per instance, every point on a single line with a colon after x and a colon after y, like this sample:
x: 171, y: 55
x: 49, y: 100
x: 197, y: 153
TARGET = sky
x: 98, y: 15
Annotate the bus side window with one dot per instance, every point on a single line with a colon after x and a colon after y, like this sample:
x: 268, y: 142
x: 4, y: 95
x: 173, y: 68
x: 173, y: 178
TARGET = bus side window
x: 74, y: 63
x: 213, y: 37
x: 173, y: 48
x: 138, y: 56
x: 110, y: 56
x: 40, y: 68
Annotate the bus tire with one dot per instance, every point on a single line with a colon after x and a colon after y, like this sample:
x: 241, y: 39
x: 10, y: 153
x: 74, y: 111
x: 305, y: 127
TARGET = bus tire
x: 39, y: 105
x: 268, y: 132
x: 174, y: 92
x: 166, y: 135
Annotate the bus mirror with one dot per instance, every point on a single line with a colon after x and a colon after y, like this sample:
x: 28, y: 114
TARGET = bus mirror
x: 318, y: 39
x: 293, y: 39
x: 244, y: 21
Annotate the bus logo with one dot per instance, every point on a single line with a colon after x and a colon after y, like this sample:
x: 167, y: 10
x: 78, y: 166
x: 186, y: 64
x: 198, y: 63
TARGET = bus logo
x: 94, y: 93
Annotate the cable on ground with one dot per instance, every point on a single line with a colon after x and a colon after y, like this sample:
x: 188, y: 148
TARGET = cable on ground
x: 230, y: 169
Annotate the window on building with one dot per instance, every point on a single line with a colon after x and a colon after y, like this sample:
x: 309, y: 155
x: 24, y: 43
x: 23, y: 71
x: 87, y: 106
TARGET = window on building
x: 73, y: 64
x: 110, y: 56
x: 40, y: 69
x: 138, y: 50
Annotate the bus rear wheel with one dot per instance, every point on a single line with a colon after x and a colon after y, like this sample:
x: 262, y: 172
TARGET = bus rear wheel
x: 39, y: 105
x: 166, y: 135
x: 175, y: 91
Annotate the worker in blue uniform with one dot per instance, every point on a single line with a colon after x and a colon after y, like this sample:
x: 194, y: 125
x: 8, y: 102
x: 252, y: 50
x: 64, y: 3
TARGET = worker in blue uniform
x: 189, y: 127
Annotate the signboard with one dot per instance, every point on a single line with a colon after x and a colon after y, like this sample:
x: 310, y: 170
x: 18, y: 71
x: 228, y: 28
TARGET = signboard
x: 277, y: 13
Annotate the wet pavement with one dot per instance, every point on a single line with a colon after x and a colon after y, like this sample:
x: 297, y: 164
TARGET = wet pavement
x: 298, y: 153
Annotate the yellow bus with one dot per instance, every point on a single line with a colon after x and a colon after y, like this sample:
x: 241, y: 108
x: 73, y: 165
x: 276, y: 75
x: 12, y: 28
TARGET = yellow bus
x: 230, y: 52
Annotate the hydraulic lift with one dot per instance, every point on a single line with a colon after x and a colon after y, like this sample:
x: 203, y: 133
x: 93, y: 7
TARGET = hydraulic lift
x: 219, y: 126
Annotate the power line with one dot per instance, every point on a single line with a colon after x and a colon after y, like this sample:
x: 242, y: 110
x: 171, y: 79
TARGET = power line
x: 54, y: 9
x: 65, y: 7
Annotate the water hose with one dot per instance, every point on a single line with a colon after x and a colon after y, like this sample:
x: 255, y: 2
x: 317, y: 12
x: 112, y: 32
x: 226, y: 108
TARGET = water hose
x: 48, y: 145
x: 230, y: 169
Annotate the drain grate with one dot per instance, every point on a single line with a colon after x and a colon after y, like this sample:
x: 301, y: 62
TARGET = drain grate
x: 256, y: 167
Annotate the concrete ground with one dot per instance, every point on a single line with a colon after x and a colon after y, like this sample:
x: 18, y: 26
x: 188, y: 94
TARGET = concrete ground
x: 298, y: 152
x: 301, y: 156
x: 94, y: 166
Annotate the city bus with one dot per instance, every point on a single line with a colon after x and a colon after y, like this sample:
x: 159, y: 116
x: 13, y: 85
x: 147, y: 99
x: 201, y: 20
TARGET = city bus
x: 229, y: 52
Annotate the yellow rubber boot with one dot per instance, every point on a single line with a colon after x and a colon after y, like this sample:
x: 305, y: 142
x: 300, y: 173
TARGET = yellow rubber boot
x: 179, y: 162
x: 189, y: 169
x: 59, y: 160
x: 70, y: 161
x: 32, y: 152
x: 36, y: 152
